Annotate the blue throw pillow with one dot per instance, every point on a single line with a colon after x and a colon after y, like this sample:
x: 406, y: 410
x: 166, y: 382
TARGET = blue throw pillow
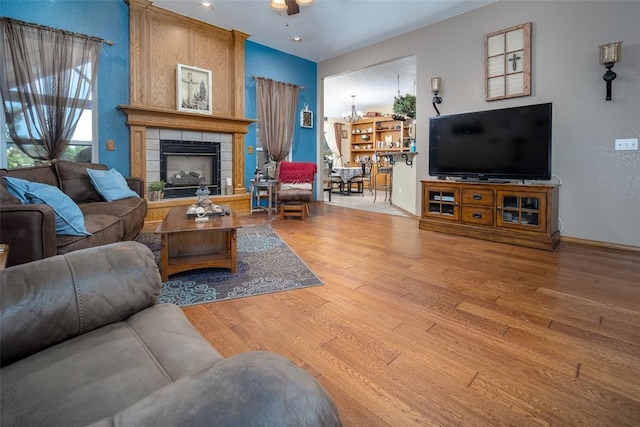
x: 69, y: 218
x: 18, y: 188
x: 110, y: 184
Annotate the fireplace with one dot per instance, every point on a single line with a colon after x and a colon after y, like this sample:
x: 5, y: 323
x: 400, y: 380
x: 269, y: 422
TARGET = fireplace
x: 149, y: 126
x: 184, y: 165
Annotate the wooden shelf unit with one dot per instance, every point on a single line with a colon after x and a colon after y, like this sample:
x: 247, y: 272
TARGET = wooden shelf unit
x: 376, y: 131
x: 518, y: 214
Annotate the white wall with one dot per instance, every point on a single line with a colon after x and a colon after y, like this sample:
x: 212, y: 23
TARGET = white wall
x: 600, y: 193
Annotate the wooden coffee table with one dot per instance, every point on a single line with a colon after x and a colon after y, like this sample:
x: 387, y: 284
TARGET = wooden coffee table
x: 188, y: 244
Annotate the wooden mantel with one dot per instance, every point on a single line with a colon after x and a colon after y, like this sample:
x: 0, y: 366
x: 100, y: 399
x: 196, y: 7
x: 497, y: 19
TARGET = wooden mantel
x: 171, y: 119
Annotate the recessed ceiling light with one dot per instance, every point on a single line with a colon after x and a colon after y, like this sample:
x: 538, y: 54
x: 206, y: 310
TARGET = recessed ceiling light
x: 297, y: 39
x: 207, y: 5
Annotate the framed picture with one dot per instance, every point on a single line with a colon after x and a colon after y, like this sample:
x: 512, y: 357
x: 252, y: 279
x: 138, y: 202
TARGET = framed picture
x: 193, y: 89
x: 345, y: 135
x: 508, y: 63
x: 306, y: 117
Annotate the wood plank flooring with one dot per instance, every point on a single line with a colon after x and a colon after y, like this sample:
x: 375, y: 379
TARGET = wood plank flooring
x: 418, y: 328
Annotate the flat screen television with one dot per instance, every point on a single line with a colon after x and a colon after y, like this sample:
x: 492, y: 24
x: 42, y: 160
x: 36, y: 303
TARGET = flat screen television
x: 506, y: 144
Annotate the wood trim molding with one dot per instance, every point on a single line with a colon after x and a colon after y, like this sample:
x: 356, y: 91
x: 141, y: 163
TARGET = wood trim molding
x: 138, y: 150
x: 597, y: 243
x: 238, y: 164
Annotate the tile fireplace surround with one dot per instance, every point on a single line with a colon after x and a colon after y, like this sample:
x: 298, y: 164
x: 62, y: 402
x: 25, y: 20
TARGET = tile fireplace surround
x: 152, y: 152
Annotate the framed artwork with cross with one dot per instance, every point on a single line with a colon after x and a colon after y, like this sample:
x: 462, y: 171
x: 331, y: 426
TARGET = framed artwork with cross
x: 507, y: 63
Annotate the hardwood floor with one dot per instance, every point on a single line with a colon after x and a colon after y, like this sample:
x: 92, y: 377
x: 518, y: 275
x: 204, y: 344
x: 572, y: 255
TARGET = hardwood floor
x: 418, y: 328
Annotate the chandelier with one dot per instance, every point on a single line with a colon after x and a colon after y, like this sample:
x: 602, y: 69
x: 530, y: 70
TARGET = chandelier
x: 354, y: 115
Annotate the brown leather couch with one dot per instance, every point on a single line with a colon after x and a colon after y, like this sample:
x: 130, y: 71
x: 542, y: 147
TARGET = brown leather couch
x: 83, y: 341
x: 30, y: 229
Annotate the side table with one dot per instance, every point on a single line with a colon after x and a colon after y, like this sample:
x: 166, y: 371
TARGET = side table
x: 260, y: 189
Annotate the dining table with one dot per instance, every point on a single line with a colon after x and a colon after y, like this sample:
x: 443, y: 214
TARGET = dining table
x: 346, y: 173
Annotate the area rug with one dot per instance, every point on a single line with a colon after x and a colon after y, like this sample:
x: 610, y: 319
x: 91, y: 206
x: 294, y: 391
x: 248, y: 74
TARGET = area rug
x: 266, y: 264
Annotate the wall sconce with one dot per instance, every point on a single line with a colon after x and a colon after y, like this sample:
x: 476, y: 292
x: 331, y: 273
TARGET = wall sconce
x: 436, y: 87
x: 610, y: 53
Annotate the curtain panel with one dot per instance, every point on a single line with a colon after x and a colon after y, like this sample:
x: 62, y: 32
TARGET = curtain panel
x: 337, y: 127
x: 46, y: 82
x: 277, y: 105
x: 332, y: 134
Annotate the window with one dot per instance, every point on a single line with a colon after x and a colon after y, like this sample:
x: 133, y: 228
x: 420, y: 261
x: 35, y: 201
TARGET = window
x: 82, y: 148
x: 48, y: 88
x: 261, y: 156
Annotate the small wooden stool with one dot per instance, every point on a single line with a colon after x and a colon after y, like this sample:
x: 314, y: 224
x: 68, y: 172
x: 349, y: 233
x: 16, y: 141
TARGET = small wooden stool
x: 293, y: 211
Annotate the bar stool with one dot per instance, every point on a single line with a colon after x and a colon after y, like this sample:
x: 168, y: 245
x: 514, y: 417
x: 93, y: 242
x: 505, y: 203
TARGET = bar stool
x: 383, y: 178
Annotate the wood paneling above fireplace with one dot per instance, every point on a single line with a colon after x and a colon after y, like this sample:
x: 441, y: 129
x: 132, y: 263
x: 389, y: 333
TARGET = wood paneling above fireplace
x: 159, y: 40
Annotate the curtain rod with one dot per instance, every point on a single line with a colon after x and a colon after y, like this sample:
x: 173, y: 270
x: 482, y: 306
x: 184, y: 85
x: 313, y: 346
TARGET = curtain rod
x: 254, y: 77
x: 44, y: 27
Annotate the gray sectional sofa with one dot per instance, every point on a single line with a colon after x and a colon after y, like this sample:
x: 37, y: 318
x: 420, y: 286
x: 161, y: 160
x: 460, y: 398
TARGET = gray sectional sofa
x: 84, y: 343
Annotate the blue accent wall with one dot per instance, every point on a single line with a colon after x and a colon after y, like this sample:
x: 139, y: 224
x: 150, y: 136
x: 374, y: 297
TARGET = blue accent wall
x: 266, y: 62
x: 106, y: 19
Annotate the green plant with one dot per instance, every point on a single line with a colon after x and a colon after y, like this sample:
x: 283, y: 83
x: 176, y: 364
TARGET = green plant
x: 157, y: 185
x: 405, y: 105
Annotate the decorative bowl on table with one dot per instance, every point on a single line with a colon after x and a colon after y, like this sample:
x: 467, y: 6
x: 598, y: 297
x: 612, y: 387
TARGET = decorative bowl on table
x: 204, y: 210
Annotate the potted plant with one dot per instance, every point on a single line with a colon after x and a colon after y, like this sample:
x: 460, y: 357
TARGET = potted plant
x: 156, y: 190
x: 404, y: 106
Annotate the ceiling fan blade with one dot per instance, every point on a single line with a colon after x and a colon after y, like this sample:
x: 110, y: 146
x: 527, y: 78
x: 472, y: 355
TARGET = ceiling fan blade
x: 292, y: 7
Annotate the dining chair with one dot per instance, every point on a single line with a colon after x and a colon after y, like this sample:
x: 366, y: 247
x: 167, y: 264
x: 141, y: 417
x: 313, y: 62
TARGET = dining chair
x: 331, y: 181
x: 363, y: 178
x: 383, y: 177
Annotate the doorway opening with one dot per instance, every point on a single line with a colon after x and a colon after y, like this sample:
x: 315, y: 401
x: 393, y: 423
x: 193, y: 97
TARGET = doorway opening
x: 375, y: 88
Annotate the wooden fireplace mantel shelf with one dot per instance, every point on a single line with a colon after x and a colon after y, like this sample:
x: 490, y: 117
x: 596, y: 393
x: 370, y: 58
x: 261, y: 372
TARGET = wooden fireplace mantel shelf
x: 172, y: 119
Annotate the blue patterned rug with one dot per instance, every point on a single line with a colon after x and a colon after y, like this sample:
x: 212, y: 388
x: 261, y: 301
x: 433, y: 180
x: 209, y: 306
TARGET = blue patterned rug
x: 266, y: 264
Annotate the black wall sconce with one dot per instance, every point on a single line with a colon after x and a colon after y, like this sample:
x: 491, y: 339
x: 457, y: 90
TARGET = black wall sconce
x: 436, y: 88
x: 610, y: 53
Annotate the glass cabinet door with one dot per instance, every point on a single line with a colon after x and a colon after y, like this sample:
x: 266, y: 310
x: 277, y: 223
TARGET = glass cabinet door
x: 521, y: 210
x: 442, y: 203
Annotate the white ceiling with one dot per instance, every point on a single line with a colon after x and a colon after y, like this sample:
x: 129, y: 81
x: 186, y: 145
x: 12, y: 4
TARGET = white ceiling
x: 374, y: 87
x: 330, y: 28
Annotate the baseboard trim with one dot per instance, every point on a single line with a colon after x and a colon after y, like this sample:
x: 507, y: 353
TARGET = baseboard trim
x: 406, y: 212
x: 606, y: 245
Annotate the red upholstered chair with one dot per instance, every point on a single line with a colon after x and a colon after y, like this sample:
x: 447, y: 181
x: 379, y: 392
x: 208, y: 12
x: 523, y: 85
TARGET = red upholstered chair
x: 296, y: 188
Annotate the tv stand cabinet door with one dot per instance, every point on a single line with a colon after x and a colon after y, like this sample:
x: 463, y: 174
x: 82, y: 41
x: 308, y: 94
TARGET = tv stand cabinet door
x: 441, y: 202
x: 522, y: 210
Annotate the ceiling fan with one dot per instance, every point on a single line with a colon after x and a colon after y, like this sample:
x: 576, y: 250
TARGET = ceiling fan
x: 291, y: 6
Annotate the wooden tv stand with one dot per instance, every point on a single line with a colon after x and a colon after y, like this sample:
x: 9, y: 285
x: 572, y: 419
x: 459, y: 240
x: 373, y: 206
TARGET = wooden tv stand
x: 518, y: 214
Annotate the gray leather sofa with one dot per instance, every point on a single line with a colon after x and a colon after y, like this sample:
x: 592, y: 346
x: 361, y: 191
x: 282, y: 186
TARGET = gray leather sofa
x: 83, y: 341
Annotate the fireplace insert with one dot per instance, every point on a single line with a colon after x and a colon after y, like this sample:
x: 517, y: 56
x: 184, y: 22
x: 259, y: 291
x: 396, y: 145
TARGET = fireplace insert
x: 184, y: 165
